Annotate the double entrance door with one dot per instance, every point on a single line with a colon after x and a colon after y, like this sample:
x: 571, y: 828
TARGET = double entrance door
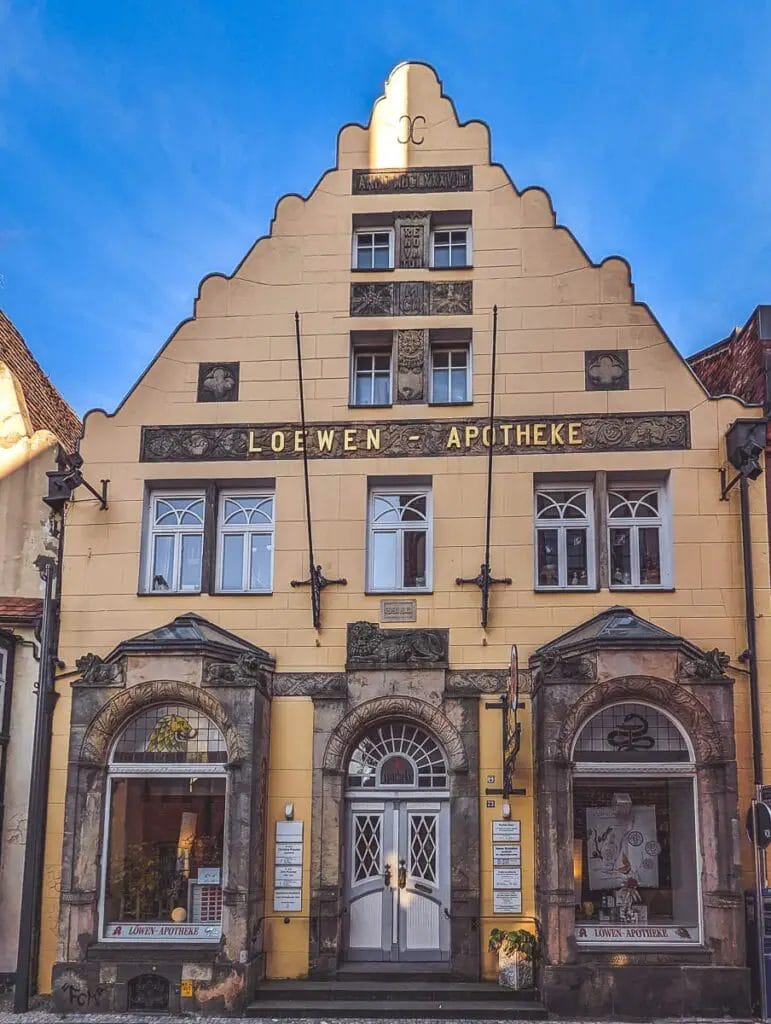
x: 397, y: 870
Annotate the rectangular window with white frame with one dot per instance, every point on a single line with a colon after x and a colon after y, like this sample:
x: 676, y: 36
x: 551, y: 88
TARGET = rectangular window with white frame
x: 245, y: 525
x: 211, y: 538
x: 400, y: 539
x: 373, y: 249
x: 639, y: 535
x: 371, y: 368
x: 450, y: 367
x: 564, y: 537
x: 175, y: 542
x: 450, y: 247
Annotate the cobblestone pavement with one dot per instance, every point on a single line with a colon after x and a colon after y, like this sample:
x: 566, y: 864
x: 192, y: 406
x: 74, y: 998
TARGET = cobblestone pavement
x: 40, y: 1017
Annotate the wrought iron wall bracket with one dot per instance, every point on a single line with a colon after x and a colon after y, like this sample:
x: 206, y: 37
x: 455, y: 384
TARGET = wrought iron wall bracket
x: 484, y: 581
x: 317, y: 581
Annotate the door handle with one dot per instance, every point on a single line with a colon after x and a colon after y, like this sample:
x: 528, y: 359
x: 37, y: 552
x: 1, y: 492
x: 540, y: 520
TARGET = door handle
x: 387, y: 876
x: 402, y: 873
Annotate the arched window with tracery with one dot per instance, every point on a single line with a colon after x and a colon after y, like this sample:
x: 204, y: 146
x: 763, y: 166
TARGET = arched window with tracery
x: 635, y: 853
x: 397, y: 755
x: 164, y: 830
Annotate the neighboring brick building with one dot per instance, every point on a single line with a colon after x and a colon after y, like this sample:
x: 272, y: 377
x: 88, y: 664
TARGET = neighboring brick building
x: 34, y: 421
x: 740, y: 365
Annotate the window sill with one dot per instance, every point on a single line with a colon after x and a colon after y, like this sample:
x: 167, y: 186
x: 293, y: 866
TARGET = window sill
x: 242, y: 593
x: 172, y: 593
x: 397, y: 593
x: 466, y: 266
x: 387, y: 405
x: 642, y: 589
x: 372, y: 270
x: 567, y: 590
x: 445, y: 405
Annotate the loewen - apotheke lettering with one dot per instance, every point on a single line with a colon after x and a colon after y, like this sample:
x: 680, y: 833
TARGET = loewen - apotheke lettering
x: 404, y: 438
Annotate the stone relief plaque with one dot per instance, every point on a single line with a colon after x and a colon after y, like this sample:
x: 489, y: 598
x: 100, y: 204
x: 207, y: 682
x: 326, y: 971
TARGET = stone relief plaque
x: 400, y: 438
x: 416, y: 179
x: 411, y: 358
x: 607, y: 370
x: 397, y: 610
x: 412, y: 240
x: 370, y: 646
x: 218, y: 382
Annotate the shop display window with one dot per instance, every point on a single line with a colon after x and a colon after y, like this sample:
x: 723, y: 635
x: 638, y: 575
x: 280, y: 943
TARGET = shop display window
x: 635, y: 857
x: 164, y: 836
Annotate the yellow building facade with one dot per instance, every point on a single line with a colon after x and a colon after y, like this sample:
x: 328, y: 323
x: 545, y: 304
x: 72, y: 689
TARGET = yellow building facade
x: 346, y: 792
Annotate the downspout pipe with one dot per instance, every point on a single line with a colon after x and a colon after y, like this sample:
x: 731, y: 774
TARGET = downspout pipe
x: 749, y: 611
x: 32, y: 882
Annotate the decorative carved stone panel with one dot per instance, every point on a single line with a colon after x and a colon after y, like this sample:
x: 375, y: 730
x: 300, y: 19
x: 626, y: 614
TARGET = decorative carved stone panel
x: 607, y: 370
x: 372, y: 299
x: 369, y: 646
x: 451, y: 297
x: 94, y: 671
x: 412, y: 240
x: 218, y: 382
x: 320, y: 685
x: 417, y: 179
x: 411, y: 298
x: 411, y: 357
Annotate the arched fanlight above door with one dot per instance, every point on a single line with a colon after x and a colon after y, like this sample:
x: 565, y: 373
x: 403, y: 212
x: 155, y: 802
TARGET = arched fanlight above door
x: 397, y: 755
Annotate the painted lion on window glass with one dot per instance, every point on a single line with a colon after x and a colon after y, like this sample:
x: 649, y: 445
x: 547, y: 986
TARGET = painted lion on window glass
x: 171, y: 734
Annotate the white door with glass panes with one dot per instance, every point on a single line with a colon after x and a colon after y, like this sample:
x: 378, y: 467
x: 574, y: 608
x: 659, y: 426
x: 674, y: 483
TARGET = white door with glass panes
x: 397, y: 847
x: 398, y: 884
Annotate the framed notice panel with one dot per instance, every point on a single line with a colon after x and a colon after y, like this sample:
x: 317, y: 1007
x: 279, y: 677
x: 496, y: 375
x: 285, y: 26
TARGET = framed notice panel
x: 507, y: 831
x: 507, y: 902
x: 507, y: 878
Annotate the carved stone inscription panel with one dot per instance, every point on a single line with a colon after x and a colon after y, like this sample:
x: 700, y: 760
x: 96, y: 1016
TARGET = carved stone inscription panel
x: 412, y: 237
x: 412, y: 298
x: 403, y: 438
x: 417, y: 179
x: 411, y: 355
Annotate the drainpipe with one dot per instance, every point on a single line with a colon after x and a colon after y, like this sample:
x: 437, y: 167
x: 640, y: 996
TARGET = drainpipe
x: 31, y: 892
x: 749, y: 611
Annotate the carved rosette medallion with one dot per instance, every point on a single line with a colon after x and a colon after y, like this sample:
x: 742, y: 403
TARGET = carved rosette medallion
x: 372, y: 299
x: 411, y: 352
x: 218, y: 382
x: 451, y: 297
x: 607, y: 370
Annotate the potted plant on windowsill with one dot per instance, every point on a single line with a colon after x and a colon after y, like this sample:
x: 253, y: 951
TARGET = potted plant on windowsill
x: 518, y: 952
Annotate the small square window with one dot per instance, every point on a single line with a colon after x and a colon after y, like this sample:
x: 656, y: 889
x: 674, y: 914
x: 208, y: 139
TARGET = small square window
x: 399, y: 539
x: 373, y: 250
x: 371, y: 374
x: 450, y: 247
x: 450, y: 373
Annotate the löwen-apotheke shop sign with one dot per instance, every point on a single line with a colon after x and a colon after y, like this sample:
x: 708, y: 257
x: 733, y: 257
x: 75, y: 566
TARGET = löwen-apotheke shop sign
x: 404, y: 438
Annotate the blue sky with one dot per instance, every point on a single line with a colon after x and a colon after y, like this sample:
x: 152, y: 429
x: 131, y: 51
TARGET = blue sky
x: 143, y: 144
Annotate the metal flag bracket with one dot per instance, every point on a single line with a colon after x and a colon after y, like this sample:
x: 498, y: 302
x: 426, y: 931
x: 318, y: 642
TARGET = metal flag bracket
x: 511, y: 731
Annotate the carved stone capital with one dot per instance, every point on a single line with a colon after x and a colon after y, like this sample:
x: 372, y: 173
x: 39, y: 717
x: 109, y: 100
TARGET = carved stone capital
x: 246, y: 670
x: 94, y: 671
x: 369, y: 646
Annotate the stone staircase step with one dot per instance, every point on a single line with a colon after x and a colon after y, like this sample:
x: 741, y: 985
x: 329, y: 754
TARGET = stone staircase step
x: 390, y: 1009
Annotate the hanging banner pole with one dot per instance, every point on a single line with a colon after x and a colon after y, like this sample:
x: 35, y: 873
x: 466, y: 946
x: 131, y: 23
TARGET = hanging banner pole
x: 485, y: 579
x: 316, y: 578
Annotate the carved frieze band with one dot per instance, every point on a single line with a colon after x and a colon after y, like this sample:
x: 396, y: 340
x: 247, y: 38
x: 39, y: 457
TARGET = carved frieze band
x: 417, y: 179
x: 411, y: 298
x: 411, y: 356
x: 402, y: 438
x: 333, y: 685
